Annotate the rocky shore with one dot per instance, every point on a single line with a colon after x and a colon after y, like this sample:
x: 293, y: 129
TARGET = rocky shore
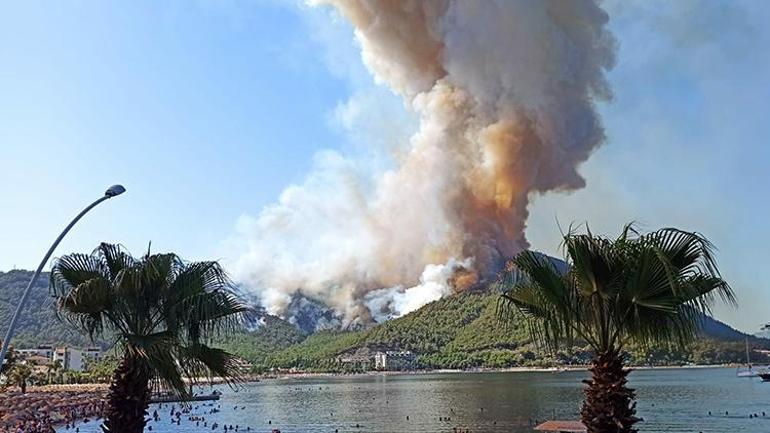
x: 42, y: 408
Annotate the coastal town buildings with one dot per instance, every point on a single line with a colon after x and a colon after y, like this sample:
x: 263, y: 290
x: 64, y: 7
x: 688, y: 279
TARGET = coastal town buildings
x: 70, y: 358
x: 76, y: 359
x: 365, y: 359
x: 43, y: 350
x: 395, y: 360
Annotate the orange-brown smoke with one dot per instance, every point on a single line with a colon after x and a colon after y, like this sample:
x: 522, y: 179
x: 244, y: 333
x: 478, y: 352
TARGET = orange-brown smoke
x: 504, y: 91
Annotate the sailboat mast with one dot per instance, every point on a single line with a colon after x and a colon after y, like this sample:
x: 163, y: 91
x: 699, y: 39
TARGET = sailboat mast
x: 748, y: 361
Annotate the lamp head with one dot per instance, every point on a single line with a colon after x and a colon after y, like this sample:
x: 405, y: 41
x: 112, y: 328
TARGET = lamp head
x: 114, y: 190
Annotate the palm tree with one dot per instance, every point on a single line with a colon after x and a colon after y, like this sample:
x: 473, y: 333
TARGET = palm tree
x: 650, y: 289
x: 53, y: 371
x: 162, y: 313
x: 20, y: 374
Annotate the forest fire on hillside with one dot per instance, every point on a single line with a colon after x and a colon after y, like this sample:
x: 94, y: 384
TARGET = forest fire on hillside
x: 505, y: 95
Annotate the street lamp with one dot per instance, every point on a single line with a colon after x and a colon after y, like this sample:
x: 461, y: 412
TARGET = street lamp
x: 113, y: 191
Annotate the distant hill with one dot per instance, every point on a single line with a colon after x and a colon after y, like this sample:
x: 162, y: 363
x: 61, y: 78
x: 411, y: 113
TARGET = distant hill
x: 455, y: 332
x: 459, y: 331
x: 716, y: 329
x: 270, y: 336
x: 38, y: 323
x: 463, y: 331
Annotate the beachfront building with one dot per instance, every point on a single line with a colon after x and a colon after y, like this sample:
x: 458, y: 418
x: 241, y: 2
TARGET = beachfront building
x: 69, y: 357
x: 76, y: 359
x: 380, y: 360
x: 395, y: 360
x: 43, y: 350
x: 92, y: 354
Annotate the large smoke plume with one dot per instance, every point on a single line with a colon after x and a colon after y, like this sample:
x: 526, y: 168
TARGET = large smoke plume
x: 505, y: 93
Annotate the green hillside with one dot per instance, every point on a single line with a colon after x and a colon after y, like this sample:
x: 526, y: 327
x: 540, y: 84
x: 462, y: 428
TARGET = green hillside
x: 38, y: 324
x: 273, y: 335
x: 462, y: 331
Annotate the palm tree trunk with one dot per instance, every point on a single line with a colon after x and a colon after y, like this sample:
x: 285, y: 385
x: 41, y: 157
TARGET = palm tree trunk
x: 128, y: 398
x: 609, y: 405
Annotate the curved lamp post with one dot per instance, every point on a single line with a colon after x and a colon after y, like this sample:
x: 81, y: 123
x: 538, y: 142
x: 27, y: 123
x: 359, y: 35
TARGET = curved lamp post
x: 112, y: 191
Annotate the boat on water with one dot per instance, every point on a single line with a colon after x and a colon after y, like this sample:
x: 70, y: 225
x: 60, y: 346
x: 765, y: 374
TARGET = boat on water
x: 754, y: 371
x: 761, y: 371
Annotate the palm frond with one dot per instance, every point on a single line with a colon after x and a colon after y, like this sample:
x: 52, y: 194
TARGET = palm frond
x: 213, y: 314
x: 113, y: 257
x: 204, y: 361
x: 161, y: 309
x: 542, y: 295
x: 158, y: 351
x: 593, y: 262
x: 651, y: 288
x: 74, y: 269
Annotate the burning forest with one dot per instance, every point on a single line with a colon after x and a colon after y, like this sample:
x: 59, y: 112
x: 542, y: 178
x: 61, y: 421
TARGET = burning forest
x: 505, y: 94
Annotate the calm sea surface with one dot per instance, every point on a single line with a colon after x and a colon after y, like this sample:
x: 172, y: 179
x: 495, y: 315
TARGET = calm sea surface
x: 677, y: 400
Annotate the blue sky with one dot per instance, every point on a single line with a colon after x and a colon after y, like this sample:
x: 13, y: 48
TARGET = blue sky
x: 207, y: 110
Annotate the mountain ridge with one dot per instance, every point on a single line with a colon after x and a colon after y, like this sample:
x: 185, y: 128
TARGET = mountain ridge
x: 457, y: 331
x: 463, y: 331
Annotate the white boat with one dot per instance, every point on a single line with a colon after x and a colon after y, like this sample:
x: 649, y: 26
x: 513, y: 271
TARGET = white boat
x: 753, y: 371
x: 750, y: 370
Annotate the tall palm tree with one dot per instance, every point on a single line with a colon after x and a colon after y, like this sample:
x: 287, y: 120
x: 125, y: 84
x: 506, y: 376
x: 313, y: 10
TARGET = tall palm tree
x: 651, y: 289
x: 162, y: 313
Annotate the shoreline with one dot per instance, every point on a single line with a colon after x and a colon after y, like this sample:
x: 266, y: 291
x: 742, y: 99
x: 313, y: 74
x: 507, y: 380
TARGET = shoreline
x: 554, y: 370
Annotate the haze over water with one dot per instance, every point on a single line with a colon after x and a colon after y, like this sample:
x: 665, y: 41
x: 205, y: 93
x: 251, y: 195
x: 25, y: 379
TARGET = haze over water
x: 673, y: 400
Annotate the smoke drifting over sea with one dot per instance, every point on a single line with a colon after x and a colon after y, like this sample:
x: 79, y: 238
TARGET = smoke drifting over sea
x: 505, y: 94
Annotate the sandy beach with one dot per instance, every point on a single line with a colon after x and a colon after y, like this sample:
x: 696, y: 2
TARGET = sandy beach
x: 42, y: 408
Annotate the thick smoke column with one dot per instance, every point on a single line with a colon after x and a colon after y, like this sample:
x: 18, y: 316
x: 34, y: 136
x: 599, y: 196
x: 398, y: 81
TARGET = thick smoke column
x: 505, y: 94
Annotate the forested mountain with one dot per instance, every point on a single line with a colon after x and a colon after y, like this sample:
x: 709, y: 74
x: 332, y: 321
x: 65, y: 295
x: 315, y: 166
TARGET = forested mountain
x: 463, y: 331
x: 272, y: 335
x: 38, y: 323
x: 459, y: 331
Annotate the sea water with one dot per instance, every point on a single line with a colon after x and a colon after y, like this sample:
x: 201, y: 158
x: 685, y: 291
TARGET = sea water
x: 669, y: 400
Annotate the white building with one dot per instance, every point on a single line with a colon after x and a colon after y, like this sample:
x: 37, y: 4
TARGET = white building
x: 395, y: 360
x: 380, y: 361
x: 75, y: 359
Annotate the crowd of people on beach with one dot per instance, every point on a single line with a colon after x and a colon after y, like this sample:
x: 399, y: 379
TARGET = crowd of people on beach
x: 41, y: 412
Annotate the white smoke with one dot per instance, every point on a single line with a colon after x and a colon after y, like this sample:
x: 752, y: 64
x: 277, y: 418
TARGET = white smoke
x: 396, y: 301
x: 504, y: 91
